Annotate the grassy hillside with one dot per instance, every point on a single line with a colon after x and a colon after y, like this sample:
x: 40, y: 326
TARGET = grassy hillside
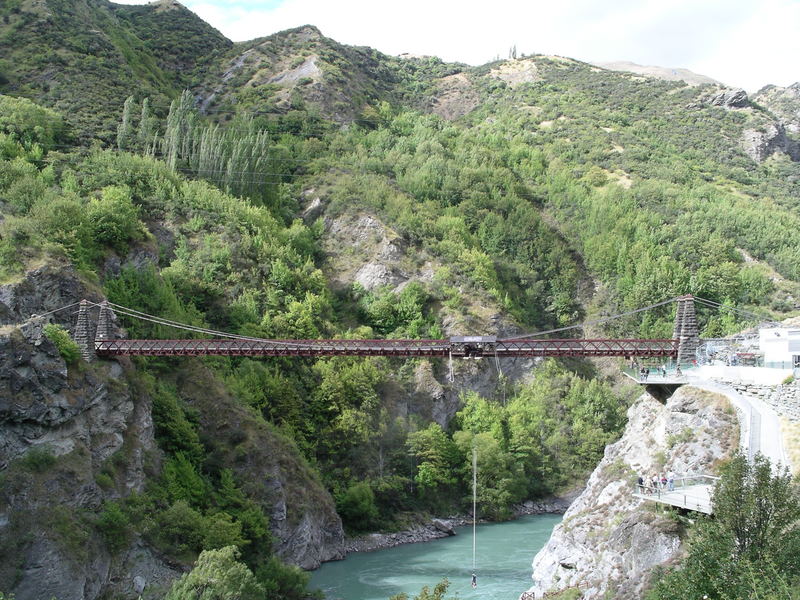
x: 181, y: 43
x: 84, y: 57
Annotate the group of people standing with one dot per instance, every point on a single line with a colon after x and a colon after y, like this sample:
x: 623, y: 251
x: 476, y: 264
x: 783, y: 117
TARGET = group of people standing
x: 657, y: 482
x: 644, y: 372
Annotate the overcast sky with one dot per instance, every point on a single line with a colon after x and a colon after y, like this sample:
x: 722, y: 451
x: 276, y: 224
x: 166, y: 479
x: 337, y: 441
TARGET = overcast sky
x: 744, y: 43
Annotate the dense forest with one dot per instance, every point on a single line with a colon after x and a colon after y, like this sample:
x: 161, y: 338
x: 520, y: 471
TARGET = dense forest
x: 541, y: 202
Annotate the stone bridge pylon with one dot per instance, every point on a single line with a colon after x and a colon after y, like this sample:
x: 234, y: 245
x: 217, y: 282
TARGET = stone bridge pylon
x: 83, y: 336
x: 686, y: 331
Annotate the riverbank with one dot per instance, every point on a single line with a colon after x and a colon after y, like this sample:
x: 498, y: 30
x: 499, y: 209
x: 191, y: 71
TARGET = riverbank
x: 444, y: 527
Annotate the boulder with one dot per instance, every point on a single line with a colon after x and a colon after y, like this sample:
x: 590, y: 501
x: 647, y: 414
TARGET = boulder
x: 443, y: 526
x: 730, y: 98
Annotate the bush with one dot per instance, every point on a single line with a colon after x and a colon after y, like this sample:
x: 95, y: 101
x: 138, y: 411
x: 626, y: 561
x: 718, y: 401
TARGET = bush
x: 284, y: 582
x: 357, y: 507
x: 217, y: 574
x: 114, y: 525
x: 113, y: 219
x: 221, y: 530
x: 38, y: 459
x: 179, y: 529
x: 67, y: 347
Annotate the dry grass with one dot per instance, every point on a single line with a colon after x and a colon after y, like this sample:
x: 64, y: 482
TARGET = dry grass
x: 791, y: 441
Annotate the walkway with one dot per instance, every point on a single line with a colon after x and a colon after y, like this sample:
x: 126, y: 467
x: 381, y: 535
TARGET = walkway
x: 691, y: 493
x: 759, y: 431
x: 760, y: 425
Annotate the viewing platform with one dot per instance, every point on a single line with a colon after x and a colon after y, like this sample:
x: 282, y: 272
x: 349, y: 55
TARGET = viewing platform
x: 658, y: 376
x: 692, y: 492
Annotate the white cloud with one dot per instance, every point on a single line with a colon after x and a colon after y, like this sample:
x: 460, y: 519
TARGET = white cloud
x: 748, y: 43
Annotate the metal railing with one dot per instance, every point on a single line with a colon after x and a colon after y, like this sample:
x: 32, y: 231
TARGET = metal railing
x: 676, y: 493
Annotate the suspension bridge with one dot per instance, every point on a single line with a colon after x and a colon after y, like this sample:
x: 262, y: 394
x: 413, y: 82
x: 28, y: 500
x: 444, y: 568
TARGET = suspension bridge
x: 681, y: 347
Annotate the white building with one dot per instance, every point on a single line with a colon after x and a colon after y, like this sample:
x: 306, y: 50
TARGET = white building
x: 781, y: 347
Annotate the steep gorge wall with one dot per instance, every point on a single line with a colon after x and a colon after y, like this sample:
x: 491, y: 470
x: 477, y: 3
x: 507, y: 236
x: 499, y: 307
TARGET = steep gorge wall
x: 74, y: 437
x: 609, y: 541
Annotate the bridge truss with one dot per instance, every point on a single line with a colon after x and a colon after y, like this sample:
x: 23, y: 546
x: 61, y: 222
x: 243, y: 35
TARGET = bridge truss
x: 461, y: 347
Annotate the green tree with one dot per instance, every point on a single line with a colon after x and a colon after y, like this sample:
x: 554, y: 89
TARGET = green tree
x: 220, y: 530
x: 125, y: 128
x: 183, y: 482
x: 217, y: 575
x: 751, y: 546
x: 357, y: 507
x: 284, y: 582
x: 437, y: 458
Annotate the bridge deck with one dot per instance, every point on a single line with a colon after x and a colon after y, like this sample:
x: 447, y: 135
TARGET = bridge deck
x: 456, y: 347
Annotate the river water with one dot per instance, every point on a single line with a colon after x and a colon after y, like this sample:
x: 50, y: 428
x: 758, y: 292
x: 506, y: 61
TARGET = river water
x: 503, y: 556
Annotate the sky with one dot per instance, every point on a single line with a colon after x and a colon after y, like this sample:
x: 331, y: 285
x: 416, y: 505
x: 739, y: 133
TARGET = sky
x: 742, y: 43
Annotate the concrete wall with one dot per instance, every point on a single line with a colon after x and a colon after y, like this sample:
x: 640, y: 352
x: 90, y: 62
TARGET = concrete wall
x: 755, y: 375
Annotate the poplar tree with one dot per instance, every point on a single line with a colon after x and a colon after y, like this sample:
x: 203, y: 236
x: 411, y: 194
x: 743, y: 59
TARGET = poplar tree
x: 125, y: 128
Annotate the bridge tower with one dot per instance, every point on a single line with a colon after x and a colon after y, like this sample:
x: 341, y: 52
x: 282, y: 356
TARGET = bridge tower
x: 686, y: 331
x: 82, y: 337
x: 104, y: 322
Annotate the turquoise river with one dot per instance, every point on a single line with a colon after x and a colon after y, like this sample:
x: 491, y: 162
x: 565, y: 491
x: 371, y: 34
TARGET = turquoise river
x: 504, y: 555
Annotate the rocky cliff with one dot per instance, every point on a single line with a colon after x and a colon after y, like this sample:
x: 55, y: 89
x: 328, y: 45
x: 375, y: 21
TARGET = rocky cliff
x: 73, y: 437
x: 609, y: 541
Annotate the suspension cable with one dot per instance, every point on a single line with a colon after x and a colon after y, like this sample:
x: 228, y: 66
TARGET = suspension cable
x: 596, y: 322
x: 177, y: 325
x: 719, y: 306
x: 37, y: 316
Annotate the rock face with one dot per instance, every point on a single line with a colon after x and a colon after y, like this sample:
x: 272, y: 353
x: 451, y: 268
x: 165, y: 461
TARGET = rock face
x: 361, y: 249
x: 455, y: 97
x: 73, y: 437
x: 609, y: 541
x: 784, y: 103
x: 771, y: 138
x: 87, y: 421
x: 730, y: 98
x: 303, y: 516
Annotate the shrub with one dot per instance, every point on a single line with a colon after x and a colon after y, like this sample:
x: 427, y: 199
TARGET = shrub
x: 357, y: 507
x: 67, y: 347
x: 180, y: 529
x: 113, y: 219
x: 221, y: 530
x: 217, y: 574
x: 114, y: 526
x: 38, y: 459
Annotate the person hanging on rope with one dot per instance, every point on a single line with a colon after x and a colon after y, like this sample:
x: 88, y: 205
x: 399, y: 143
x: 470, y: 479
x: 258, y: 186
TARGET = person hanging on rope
x: 474, y: 581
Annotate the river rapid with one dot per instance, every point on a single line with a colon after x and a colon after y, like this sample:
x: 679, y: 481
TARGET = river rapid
x: 504, y: 552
